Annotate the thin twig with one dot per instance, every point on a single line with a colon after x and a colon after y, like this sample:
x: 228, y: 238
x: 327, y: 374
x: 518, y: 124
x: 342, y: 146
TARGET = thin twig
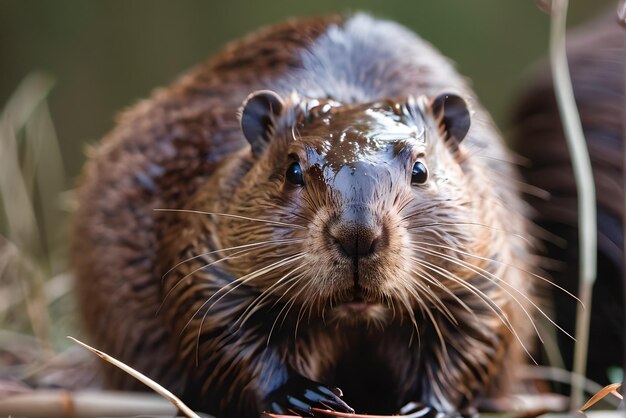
x: 611, y: 389
x: 142, y: 378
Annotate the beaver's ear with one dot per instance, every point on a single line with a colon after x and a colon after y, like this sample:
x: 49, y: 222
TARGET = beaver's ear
x: 452, y: 114
x: 259, y: 114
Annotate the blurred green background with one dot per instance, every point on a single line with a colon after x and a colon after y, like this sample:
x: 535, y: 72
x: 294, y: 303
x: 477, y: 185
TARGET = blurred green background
x: 105, y: 55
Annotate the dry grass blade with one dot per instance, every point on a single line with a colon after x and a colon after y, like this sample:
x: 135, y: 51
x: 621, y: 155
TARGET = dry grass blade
x: 610, y: 389
x: 585, y: 187
x: 26, y: 110
x: 142, y: 378
x: 49, y: 178
x: 17, y: 203
x: 32, y: 91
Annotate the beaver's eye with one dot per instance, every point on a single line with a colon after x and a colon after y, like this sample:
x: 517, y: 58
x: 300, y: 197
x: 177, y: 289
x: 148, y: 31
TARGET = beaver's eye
x: 294, y: 174
x: 419, y: 174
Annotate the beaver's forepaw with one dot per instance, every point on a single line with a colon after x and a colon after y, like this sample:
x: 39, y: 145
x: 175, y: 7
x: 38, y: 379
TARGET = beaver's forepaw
x: 298, y: 395
x: 420, y: 410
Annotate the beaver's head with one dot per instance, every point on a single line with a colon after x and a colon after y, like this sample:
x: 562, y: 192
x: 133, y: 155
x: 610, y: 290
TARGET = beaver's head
x: 359, y: 211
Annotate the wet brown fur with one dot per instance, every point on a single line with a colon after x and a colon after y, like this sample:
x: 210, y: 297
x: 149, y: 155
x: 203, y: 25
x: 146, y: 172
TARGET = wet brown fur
x: 183, y: 149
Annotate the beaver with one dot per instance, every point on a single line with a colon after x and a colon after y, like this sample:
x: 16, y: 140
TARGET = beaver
x: 595, y: 53
x: 322, y: 205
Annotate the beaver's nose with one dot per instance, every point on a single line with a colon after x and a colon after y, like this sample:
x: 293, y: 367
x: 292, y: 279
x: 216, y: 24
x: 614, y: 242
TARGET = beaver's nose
x: 357, y: 232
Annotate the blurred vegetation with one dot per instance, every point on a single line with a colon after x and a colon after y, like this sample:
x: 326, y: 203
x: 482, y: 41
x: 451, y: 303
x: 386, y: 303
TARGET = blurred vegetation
x: 34, y: 285
x: 105, y: 55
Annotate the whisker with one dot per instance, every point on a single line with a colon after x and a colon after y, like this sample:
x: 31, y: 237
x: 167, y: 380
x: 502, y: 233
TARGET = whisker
x: 389, y: 304
x: 495, y: 280
x: 505, y: 264
x: 254, y: 244
x: 430, y: 278
x: 480, y: 294
x: 293, y: 299
x: 403, y: 204
x: 231, y: 256
x: 240, y: 281
x: 435, y: 324
x: 258, y: 301
x: 228, y: 215
x: 283, y: 308
x: 409, y: 311
x: 259, y: 272
x: 282, y: 208
x: 436, y: 301
x: 494, y: 228
x: 498, y: 282
x: 302, y: 310
x: 209, y: 308
x: 409, y: 286
x: 416, y: 211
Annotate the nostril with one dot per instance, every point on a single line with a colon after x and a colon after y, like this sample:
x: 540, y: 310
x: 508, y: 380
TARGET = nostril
x: 356, y: 241
x: 373, y: 246
x: 348, y: 246
x: 356, y: 232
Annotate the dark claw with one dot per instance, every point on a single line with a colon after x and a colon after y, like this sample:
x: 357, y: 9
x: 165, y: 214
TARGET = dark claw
x: 335, y: 390
x: 298, y: 395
